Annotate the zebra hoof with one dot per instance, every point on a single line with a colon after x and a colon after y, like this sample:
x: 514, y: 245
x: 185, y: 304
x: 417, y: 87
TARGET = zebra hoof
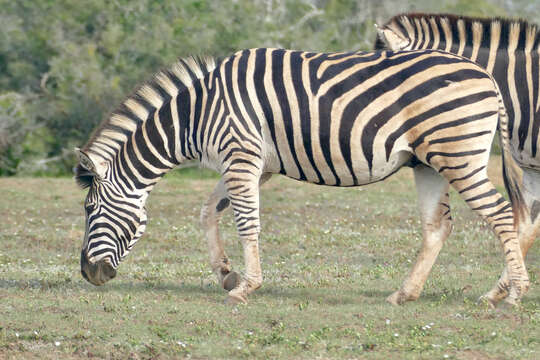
x: 395, y: 299
x: 231, y: 280
x: 235, y: 300
x: 399, y: 298
x: 486, y: 300
x: 512, y: 301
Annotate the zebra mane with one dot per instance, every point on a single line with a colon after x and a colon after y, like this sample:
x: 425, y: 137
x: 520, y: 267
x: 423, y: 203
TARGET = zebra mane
x: 525, y: 28
x: 147, y: 98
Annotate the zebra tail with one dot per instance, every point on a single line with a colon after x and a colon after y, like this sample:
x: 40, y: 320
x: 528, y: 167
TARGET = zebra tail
x: 511, y: 169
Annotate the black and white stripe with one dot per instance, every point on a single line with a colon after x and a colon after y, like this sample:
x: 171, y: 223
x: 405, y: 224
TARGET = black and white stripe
x: 340, y: 119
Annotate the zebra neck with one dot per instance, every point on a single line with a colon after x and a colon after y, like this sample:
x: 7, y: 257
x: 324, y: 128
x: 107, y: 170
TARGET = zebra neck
x: 157, y: 128
x: 140, y: 147
x: 166, y: 139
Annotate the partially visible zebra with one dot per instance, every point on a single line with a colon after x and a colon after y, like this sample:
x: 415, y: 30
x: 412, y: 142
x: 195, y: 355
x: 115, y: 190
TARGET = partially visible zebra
x: 510, y: 51
x: 339, y: 119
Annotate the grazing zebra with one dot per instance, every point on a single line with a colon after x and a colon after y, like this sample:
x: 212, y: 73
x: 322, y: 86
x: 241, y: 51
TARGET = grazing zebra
x: 340, y: 119
x: 510, y: 51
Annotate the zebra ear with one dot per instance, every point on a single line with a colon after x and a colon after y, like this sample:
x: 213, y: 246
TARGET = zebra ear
x: 96, y: 168
x: 380, y: 33
x: 85, y: 161
x: 392, y: 39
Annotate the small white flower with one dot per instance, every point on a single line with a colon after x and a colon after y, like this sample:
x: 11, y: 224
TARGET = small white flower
x: 493, y: 333
x: 57, y: 343
x: 428, y: 327
x: 183, y: 345
x: 35, y: 333
x: 431, y: 324
x: 446, y: 356
x: 17, y: 334
x: 449, y: 343
x: 396, y: 334
x: 387, y: 321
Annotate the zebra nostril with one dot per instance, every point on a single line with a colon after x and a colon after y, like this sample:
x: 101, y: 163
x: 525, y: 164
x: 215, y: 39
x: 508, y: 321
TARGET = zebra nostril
x: 84, y: 266
x: 83, y: 273
x: 108, y: 270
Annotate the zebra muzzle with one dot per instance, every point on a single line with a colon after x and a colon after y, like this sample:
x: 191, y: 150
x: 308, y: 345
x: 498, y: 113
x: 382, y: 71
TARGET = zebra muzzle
x: 98, y: 273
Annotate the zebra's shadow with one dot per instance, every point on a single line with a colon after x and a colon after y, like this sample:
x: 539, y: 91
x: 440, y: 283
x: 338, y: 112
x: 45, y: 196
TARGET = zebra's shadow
x: 210, y: 290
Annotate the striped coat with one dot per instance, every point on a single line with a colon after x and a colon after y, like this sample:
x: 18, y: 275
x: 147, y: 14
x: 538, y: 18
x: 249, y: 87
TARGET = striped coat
x: 342, y: 119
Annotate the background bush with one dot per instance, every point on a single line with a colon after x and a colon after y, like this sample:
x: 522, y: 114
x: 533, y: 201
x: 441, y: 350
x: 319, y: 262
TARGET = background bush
x: 64, y: 64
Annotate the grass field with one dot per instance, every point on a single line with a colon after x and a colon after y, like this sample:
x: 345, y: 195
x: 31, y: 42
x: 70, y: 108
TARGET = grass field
x: 330, y: 256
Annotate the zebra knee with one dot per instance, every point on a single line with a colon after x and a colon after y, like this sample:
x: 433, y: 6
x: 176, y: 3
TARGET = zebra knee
x: 437, y: 233
x: 210, y: 211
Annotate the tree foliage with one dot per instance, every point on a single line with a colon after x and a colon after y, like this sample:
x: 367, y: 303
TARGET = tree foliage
x: 64, y: 64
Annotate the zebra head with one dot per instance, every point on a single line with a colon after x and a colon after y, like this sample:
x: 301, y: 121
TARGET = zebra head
x: 115, y: 219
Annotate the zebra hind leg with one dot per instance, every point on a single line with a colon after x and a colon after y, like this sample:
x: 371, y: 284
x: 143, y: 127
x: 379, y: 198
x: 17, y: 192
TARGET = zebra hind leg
x: 432, y: 192
x: 501, y: 290
x: 527, y: 228
x: 211, y: 212
x: 479, y: 193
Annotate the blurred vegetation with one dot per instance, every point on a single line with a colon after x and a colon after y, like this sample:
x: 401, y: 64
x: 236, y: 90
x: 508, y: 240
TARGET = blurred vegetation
x: 64, y: 64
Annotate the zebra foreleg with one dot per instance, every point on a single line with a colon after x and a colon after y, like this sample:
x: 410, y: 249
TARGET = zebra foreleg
x: 432, y: 192
x: 211, y: 212
x: 243, y: 192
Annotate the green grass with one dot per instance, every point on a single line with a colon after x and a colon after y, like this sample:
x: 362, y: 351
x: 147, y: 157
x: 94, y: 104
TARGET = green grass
x: 330, y: 256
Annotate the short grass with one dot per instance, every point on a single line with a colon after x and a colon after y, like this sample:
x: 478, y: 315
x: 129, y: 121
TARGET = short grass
x: 330, y: 256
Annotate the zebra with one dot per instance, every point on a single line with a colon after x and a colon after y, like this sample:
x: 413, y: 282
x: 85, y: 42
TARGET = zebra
x: 337, y: 119
x: 510, y: 51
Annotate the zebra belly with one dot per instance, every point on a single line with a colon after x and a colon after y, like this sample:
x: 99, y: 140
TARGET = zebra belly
x: 383, y: 169
x: 339, y: 174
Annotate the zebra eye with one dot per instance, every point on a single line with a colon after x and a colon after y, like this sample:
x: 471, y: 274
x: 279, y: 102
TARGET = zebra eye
x: 89, y: 207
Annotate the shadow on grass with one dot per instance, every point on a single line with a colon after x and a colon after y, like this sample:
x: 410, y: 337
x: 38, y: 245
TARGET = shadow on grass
x: 118, y: 286
x: 334, y: 296
x: 329, y: 296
